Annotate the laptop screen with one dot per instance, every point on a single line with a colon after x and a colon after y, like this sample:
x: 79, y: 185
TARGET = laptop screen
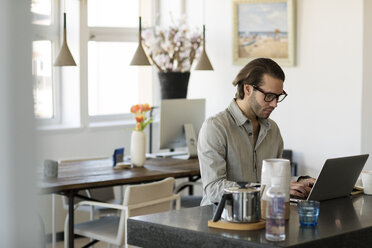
x: 337, y: 177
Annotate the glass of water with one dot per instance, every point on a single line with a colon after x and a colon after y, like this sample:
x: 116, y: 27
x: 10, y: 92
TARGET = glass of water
x: 308, y: 212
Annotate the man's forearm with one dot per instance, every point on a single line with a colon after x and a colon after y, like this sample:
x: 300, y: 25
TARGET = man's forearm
x: 215, y: 189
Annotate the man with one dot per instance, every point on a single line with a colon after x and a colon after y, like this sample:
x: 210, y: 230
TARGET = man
x: 233, y: 144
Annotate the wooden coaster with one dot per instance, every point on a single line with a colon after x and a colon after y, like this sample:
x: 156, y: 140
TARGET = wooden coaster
x: 237, y: 226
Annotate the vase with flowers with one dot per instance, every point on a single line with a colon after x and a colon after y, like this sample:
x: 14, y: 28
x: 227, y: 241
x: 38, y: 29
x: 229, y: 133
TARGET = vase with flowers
x: 138, y: 137
x: 172, y: 51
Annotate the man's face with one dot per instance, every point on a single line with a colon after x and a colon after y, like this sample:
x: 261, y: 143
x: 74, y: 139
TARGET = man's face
x: 258, y: 105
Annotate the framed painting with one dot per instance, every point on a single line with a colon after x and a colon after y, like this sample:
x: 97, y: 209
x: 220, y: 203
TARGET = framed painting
x: 264, y: 28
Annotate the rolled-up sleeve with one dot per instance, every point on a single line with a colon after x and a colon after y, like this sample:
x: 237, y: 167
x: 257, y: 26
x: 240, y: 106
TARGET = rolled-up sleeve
x: 212, y: 144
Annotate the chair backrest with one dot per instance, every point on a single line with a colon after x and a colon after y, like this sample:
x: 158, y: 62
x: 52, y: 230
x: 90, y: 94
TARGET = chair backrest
x: 288, y: 154
x: 103, y: 194
x: 136, y: 194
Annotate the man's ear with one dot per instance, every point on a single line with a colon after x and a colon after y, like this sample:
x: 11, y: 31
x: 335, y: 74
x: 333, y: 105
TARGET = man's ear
x: 248, y: 89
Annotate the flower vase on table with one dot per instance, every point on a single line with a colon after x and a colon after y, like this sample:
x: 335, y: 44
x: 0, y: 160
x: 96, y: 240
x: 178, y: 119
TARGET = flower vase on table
x: 138, y: 137
x: 138, y: 148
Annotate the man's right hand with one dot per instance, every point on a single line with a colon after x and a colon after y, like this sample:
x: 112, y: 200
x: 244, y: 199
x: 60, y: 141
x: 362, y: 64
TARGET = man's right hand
x: 302, y: 188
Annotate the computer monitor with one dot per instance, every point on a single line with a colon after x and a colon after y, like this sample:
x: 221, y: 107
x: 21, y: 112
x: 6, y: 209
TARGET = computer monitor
x: 180, y: 122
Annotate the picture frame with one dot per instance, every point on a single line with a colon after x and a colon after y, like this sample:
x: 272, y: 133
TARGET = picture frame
x: 264, y: 28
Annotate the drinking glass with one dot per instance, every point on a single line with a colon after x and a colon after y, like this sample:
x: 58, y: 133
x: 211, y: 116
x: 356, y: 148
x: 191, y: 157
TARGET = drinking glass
x: 308, y: 212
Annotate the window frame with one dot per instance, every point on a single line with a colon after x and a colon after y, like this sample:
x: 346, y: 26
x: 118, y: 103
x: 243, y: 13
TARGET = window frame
x: 51, y: 33
x: 102, y: 34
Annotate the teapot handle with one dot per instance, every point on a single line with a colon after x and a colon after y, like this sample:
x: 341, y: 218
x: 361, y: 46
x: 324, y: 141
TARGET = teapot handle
x: 221, y: 205
x: 242, y: 185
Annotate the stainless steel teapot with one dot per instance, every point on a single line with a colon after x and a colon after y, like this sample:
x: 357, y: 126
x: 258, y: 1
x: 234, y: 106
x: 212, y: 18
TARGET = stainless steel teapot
x: 241, y: 204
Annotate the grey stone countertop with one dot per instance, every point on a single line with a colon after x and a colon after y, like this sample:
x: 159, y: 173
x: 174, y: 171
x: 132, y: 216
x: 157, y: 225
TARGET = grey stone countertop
x: 343, y: 222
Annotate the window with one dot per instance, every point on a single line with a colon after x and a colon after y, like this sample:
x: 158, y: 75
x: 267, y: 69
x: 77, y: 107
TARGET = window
x: 43, y: 83
x: 113, y: 85
x: 45, y: 36
x: 42, y: 12
x: 113, y: 13
x: 104, y: 38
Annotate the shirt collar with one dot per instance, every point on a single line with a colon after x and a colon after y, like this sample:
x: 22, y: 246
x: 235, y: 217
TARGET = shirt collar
x: 240, y: 118
x: 236, y: 113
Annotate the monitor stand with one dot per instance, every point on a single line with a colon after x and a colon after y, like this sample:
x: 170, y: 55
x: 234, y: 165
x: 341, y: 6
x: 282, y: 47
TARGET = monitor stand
x: 191, y: 142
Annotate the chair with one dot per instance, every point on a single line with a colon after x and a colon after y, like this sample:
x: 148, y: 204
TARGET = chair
x: 188, y: 201
x: 138, y: 200
x: 288, y: 155
x: 101, y: 194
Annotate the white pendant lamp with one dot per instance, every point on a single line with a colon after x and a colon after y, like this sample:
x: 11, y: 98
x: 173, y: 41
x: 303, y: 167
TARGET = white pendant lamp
x: 64, y: 57
x: 140, y: 57
x: 204, y: 62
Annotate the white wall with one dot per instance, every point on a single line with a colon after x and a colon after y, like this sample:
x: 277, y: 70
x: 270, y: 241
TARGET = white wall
x: 321, y: 117
x: 367, y: 83
x: 328, y: 88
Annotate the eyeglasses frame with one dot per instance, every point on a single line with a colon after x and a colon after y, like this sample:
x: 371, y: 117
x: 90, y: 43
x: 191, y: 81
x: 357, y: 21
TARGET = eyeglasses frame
x: 255, y: 87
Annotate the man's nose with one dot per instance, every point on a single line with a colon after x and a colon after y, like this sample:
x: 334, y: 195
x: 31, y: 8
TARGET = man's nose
x: 274, y: 103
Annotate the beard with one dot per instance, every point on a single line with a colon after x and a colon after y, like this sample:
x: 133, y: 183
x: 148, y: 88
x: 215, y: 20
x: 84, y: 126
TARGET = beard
x: 260, y: 112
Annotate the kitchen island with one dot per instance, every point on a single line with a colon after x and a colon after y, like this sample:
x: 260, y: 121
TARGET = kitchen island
x: 343, y: 222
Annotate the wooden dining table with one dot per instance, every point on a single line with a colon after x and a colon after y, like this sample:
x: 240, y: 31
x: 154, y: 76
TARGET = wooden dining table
x: 88, y: 174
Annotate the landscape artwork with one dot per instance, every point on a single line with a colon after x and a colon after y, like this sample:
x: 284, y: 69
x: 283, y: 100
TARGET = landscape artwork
x: 263, y: 29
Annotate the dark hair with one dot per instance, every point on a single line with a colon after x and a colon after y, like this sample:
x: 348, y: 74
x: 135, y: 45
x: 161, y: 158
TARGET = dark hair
x: 253, y: 72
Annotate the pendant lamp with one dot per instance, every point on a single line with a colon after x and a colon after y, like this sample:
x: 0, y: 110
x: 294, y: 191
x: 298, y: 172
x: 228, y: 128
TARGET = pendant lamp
x: 204, y: 63
x: 64, y: 57
x: 140, y: 57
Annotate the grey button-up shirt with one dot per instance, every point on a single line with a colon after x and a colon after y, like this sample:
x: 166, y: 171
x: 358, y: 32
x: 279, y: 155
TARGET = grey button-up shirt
x: 226, y: 153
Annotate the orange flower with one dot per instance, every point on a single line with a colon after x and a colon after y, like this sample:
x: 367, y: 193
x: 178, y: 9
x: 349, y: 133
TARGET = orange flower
x: 146, y: 107
x: 134, y: 109
x: 138, y: 126
x: 140, y: 118
x: 140, y: 108
x: 139, y: 111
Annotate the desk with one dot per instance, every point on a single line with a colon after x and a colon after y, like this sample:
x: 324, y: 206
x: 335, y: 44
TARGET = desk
x: 344, y: 222
x: 76, y: 176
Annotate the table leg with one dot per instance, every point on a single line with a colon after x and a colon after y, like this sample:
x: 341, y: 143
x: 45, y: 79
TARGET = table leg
x: 53, y: 221
x: 71, y: 219
x: 191, y: 187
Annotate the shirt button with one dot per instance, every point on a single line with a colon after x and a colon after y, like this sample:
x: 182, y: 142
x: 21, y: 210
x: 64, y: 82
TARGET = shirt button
x: 250, y: 134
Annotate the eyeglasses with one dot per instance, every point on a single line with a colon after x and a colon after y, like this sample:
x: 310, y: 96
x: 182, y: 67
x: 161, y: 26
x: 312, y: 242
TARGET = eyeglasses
x: 269, y: 97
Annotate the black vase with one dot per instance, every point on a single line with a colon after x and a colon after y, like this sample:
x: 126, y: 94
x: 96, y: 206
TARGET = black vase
x: 173, y: 84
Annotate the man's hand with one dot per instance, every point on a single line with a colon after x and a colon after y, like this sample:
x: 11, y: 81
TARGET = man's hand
x: 302, y: 188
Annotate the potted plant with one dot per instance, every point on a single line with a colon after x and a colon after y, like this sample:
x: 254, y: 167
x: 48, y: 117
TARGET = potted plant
x: 172, y: 51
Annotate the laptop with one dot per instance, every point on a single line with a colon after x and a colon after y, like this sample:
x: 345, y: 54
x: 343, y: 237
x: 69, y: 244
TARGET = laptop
x: 337, y: 178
